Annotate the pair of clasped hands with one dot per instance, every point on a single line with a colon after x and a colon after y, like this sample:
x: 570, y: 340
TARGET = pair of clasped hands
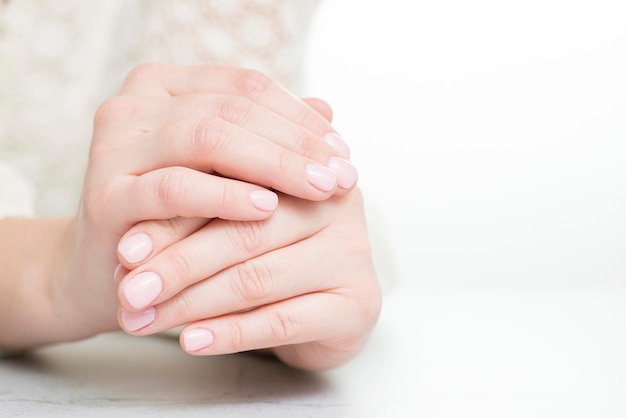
x: 217, y: 200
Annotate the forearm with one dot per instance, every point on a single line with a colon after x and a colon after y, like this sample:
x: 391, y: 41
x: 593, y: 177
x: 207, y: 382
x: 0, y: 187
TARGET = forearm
x: 33, y: 253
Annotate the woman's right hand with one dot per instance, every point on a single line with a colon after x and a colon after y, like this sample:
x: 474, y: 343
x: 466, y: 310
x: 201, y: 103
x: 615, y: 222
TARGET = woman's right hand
x: 202, y: 142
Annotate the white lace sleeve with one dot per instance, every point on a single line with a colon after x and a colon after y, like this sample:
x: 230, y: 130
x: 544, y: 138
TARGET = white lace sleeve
x: 16, y: 198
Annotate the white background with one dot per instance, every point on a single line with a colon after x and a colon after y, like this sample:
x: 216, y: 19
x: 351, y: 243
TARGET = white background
x: 491, y: 144
x: 491, y: 133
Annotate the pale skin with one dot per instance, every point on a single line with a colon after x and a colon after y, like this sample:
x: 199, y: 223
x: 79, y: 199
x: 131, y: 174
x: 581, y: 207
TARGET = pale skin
x: 165, y: 236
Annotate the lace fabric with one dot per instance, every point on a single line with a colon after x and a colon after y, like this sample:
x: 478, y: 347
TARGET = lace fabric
x: 59, y: 60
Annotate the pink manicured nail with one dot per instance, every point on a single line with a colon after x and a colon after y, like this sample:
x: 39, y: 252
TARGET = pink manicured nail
x: 133, y: 321
x: 135, y: 248
x: 197, y: 339
x: 142, y: 289
x: 346, y: 173
x: 264, y: 200
x: 118, y: 274
x: 320, y: 177
x: 338, y: 144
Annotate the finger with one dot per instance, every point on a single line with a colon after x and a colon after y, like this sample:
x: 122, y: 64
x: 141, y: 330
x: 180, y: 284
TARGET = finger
x: 120, y: 114
x: 162, y: 80
x: 281, y: 274
x: 260, y: 120
x: 332, y: 138
x: 320, y: 106
x: 310, y: 317
x: 179, y: 191
x: 185, y: 262
x: 307, y: 266
x: 151, y: 237
x: 213, y: 145
x: 258, y: 146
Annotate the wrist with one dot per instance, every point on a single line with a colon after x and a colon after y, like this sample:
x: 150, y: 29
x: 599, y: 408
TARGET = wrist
x: 81, y: 298
x: 35, y: 257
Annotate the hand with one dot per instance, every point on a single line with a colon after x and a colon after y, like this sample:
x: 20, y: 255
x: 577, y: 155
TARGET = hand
x: 172, y: 144
x: 301, y: 282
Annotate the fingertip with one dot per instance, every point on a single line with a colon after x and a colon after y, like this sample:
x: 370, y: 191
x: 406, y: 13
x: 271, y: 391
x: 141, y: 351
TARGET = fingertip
x: 324, y: 179
x: 135, y: 248
x: 196, y: 339
x: 141, y: 290
x: 345, y: 172
x: 119, y: 273
x: 336, y: 141
x: 135, y: 321
x: 264, y: 200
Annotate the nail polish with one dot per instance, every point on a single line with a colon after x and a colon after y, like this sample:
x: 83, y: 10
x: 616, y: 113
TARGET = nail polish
x: 197, y: 339
x: 142, y: 289
x: 345, y: 171
x: 135, y: 248
x: 133, y: 321
x: 320, y: 177
x: 264, y: 200
x: 119, y: 273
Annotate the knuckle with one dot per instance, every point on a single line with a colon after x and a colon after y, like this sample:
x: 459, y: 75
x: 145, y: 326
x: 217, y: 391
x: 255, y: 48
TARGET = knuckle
x: 368, y: 307
x: 235, y: 335
x: 167, y: 231
x: 248, y: 236
x: 172, y: 229
x: 252, y: 282
x: 115, y: 109
x: 308, y: 145
x: 307, y: 117
x: 226, y: 200
x: 252, y: 83
x: 207, y: 135
x: 171, y: 187
x: 284, y: 161
x: 281, y: 326
x: 179, y: 267
x: 237, y: 110
x: 184, y: 306
x: 141, y: 72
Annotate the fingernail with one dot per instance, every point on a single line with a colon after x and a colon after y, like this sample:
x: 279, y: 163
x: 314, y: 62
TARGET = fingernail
x: 320, y: 177
x: 119, y: 273
x: 345, y: 171
x: 197, y: 339
x: 264, y: 200
x: 142, y: 289
x: 338, y: 144
x: 132, y: 321
x: 135, y: 248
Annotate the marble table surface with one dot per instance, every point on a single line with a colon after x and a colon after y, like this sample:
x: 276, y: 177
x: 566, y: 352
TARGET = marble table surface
x: 435, y: 353
x: 118, y: 375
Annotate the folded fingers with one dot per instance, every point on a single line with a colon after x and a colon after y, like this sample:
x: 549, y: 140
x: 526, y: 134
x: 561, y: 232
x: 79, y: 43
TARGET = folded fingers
x: 164, y: 80
x: 278, y: 275
x: 178, y: 191
x: 246, y: 142
x: 214, y: 248
x: 213, y: 144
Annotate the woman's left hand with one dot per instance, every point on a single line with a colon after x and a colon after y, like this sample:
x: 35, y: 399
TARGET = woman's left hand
x: 301, y: 283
